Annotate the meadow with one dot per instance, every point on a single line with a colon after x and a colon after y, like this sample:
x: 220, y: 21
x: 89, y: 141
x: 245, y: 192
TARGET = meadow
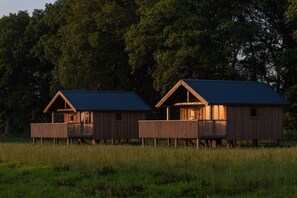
x: 132, y: 171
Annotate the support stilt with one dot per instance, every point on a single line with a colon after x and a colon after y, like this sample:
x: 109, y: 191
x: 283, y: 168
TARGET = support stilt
x: 155, y: 142
x: 175, y: 142
x: 197, y: 143
x: 168, y: 141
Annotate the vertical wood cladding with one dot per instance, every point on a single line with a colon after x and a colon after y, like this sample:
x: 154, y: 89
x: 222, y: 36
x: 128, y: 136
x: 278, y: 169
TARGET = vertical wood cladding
x: 242, y: 125
x: 117, y: 125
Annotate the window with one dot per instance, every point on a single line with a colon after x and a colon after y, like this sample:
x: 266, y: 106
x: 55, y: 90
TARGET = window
x: 86, y: 117
x: 118, y: 116
x: 254, y: 113
x: 72, y: 118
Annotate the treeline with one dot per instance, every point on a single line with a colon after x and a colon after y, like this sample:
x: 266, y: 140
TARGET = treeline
x: 144, y: 46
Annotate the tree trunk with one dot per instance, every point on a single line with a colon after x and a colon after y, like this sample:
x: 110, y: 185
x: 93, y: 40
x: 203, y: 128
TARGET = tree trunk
x: 7, y: 126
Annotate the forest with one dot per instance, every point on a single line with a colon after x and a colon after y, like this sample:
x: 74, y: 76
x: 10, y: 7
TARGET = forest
x: 144, y: 46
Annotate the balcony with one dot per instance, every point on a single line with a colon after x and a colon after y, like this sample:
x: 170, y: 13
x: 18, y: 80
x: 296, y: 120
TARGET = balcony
x: 61, y: 130
x: 182, y: 129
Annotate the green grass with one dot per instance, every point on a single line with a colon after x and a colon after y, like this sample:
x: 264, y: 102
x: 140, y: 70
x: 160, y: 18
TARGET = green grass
x: 133, y: 171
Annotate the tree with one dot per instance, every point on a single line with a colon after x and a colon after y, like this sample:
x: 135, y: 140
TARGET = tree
x: 92, y: 46
x: 16, y: 71
x: 292, y: 14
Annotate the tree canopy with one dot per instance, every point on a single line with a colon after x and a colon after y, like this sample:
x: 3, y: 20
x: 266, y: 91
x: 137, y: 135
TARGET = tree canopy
x: 144, y: 46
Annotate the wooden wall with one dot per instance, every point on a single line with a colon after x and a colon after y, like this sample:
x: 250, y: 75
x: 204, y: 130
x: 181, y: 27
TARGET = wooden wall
x: 202, y: 112
x: 267, y: 125
x: 108, y: 126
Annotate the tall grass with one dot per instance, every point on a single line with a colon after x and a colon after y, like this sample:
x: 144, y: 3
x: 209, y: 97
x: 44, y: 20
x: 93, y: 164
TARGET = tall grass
x: 187, y: 171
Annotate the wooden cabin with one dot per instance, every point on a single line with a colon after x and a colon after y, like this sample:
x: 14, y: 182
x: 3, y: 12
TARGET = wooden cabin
x: 214, y: 110
x: 95, y: 115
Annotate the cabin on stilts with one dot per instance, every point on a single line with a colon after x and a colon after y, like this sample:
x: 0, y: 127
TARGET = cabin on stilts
x: 94, y: 115
x: 214, y: 110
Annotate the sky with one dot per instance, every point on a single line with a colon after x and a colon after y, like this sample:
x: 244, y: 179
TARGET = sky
x: 13, y: 6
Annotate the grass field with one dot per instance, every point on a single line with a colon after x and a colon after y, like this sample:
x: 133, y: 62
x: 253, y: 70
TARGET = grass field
x: 132, y: 171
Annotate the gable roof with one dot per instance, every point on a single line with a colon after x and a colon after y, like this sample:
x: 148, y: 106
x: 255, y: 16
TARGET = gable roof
x: 100, y: 101
x: 227, y: 92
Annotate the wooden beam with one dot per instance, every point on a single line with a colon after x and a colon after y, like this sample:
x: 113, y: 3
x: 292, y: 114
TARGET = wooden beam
x: 167, y: 113
x: 59, y: 93
x: 211, y: 112
x: 169, y: 93
x: 197, y: 143
x: 175, y: 87
x: 187, y: 103
x: 64, y: 110
x: 53, y: 117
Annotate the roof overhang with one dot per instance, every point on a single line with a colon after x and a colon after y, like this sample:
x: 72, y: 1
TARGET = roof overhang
x: 59, y: 94
x: 175, y: 87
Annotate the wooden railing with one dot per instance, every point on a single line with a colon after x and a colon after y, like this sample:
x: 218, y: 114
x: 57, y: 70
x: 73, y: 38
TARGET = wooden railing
x: 49, y: 130
x: 188, y: 129
x: 168, y: 129
x: 212, y: 128
x: 76, y: 130
x: 61, y: 130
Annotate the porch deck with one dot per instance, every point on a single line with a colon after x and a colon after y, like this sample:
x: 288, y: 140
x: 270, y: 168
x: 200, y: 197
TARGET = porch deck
x: 61, y: 130
x: 182, y: 129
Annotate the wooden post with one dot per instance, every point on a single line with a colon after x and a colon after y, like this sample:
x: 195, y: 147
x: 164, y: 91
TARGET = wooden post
x: 80, y: 124
x: 168, y: 141
x: 168, y: 113
x: 142, y: 141
x: 54, y: 140
x: 186, y: 142
x: 211, y: 112
x: 188, y: 96
x: 175, y: 142
x: 53, y: 117
x: 197, y: 143
x: 155, y: 142
x: 94, y: 142
x: 112, y: 141
x: 255, y: 143
x: 41, y: 141
x: 213, y: 143
x: 34, y: 141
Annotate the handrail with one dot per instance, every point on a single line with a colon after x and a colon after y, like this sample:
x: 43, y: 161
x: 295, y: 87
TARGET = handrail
x: 80, y: 129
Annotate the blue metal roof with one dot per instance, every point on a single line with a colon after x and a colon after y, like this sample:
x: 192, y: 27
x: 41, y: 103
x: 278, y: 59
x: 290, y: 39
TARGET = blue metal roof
x: 236, y: 92
x: 105, y: 101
